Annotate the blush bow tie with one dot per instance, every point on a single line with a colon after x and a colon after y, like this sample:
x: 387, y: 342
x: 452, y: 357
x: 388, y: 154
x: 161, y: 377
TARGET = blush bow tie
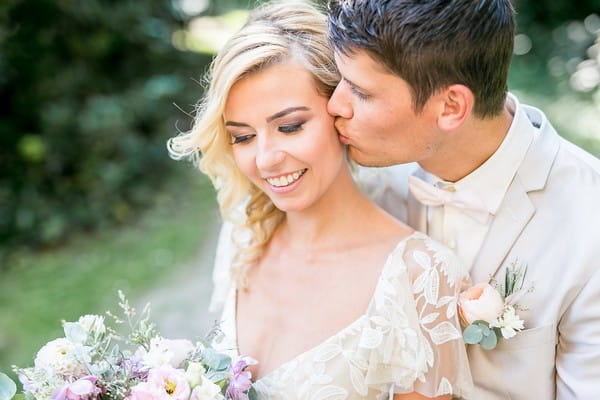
x: 465, y: 200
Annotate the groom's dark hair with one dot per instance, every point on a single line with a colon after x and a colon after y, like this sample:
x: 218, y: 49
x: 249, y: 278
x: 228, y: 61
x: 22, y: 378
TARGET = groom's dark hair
x: 432, y: 44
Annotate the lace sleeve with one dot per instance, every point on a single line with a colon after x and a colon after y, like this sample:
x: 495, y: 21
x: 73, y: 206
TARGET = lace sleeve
x: 437, y: 277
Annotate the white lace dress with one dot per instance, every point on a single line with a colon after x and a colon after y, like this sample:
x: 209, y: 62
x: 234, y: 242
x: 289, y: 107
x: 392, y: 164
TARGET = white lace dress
x: 408, y: 340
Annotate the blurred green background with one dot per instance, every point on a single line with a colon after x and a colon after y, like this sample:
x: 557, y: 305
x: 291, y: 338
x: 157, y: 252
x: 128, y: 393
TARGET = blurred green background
x: 90, y: 90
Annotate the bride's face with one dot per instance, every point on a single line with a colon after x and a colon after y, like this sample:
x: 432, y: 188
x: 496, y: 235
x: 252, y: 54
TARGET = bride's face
x: 282, y: 137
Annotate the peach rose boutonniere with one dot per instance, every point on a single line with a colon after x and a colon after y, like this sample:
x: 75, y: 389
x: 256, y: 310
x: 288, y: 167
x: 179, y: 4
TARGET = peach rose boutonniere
x: 490, y: 313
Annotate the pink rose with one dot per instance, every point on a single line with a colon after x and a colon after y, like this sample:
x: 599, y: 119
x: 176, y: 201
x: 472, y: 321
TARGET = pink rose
x: 81, y: 389
x: 146, y: 391
x: 164, y: 383
x: 480, y: 302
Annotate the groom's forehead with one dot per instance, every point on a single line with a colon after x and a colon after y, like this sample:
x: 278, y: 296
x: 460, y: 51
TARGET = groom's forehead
x: 359, y: 61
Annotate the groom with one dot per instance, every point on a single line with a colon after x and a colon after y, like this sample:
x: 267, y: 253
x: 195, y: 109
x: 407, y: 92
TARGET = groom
x: 426, y: 82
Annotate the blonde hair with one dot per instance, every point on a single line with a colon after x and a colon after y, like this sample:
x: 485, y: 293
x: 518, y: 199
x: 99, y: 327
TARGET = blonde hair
x: 275, y: 32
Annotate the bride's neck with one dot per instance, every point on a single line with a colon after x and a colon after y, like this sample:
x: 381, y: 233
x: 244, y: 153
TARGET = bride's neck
x: 333, y: 216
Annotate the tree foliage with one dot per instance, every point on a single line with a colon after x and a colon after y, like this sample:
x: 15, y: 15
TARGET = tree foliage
x: 85, y: 109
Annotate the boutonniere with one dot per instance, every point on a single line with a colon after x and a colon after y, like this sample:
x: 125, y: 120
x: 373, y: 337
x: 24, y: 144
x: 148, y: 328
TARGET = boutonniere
x: 489, y: 311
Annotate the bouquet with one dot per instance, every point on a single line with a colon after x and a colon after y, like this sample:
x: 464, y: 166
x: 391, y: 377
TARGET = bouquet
x: 490, y: 313
x: 92, y: 361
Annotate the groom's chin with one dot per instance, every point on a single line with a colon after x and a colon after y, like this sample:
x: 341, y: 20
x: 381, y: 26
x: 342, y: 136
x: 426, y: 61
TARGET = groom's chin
x: 368, y: 160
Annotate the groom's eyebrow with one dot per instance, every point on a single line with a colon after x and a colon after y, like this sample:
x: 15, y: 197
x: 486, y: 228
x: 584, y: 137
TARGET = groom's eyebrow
x: 285, y: 112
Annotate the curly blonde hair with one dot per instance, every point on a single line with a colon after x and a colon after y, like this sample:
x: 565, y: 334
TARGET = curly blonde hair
x: 276, y: 32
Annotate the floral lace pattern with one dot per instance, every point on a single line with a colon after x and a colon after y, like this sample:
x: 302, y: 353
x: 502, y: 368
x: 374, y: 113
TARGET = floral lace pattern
x: 408, y: 340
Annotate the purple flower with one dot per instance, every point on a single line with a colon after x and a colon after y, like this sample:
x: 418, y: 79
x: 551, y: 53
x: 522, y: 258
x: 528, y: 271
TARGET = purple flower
x: 82, y: 389
x: 135, y: 367
x: 240, y: 380
x: 28, y: 385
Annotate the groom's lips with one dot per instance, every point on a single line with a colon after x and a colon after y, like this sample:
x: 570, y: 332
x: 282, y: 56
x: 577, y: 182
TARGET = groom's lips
x: 343, y: 139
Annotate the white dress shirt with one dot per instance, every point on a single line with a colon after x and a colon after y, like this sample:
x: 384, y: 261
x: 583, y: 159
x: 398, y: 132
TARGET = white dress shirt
x: 490, y: 181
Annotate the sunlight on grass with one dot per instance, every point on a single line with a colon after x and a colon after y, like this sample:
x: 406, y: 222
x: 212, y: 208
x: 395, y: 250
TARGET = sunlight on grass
x: 40, y: 290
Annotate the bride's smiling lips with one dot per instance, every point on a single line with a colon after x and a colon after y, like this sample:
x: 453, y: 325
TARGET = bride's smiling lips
x: 285, y: 183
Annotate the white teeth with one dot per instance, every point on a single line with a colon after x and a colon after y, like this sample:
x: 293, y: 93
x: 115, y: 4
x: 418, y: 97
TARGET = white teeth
x: 285, y: 180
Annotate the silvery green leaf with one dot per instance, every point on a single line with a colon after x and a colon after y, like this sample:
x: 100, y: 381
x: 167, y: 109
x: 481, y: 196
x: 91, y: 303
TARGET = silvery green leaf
x: 7, y: 387
x: 490, y: 341
x: 216, y: 377
x: 75, y: 332
x: 485, y: 328
x: 472, y: 334
x: 520, y: 278
x: 114, y: 352
x: 214, y: 360
x: 252, y: 394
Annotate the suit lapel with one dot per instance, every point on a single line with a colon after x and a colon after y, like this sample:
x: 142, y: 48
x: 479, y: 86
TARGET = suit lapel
x: 517, y: 208
x: 506, y: 227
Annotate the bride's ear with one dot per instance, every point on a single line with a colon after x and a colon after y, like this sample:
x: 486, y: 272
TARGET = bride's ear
x: 455, y: 105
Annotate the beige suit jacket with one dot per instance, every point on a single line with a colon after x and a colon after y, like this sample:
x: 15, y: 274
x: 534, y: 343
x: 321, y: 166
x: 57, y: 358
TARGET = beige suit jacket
x: 550, y: 219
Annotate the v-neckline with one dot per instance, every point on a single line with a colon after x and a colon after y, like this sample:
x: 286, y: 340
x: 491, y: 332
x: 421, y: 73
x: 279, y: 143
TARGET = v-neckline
x: 399, y: 246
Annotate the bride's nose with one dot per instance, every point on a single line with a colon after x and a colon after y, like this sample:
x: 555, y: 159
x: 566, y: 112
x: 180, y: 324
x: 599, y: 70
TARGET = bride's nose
x: 268, y: 155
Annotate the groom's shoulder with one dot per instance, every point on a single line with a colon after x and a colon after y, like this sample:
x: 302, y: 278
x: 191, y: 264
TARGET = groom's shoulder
x: 573, y: 156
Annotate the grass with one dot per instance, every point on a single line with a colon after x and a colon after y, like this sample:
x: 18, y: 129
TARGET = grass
x: 40, y: 289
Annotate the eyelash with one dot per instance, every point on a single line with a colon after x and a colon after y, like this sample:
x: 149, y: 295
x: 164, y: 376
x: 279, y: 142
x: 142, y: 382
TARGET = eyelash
x: 241, y: 139
x: 360, y: 95
x: 286, y: 129
x: 291, y: 128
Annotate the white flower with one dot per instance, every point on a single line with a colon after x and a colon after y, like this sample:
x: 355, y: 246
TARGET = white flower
x: 194, y: 374
x: 206, y: 391
x: 62, y: 357
x: 93, y: 324
x: 165, y: 351
x: 509, y: 323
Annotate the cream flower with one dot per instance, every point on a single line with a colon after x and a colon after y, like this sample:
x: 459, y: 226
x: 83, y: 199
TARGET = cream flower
x: 480, y: 302
x: 167, y: 352
x: 93, y: 324
x: 62, y: 357
x: 194, y: 373
x: 206, y: 391
x: 509, y: 323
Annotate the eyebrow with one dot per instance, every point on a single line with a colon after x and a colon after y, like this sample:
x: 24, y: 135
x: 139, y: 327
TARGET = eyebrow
x: 285, y: 112
x: 273, y: 117
x: 233, y: 123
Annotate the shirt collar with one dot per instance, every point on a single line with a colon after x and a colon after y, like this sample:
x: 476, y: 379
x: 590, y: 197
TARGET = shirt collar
x: 492, y: 178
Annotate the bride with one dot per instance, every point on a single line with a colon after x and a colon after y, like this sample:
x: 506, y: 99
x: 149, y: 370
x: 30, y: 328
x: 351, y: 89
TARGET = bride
x: 335, y: 298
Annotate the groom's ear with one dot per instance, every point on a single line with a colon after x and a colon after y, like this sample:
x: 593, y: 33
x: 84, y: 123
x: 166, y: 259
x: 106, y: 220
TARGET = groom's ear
x: 455, y: 105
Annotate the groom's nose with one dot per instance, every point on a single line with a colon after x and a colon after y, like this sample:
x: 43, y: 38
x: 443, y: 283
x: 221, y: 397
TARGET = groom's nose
x: 339, y: 104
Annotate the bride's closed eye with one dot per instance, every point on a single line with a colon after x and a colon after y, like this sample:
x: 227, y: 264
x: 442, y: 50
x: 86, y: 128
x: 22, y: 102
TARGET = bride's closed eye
x: 236, y: 139
x: 290, y: 128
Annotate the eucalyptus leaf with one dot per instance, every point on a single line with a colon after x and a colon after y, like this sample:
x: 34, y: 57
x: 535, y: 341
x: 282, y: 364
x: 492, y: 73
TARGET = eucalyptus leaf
x: 252, y: 395
x: 217, y: 376
x: 490, y: 341
x: 75, y: 332
x: 7, y: 387
x: 114, y: 352
x: 473, y: 334
x: 215, y: 360
x: 485, y: 329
